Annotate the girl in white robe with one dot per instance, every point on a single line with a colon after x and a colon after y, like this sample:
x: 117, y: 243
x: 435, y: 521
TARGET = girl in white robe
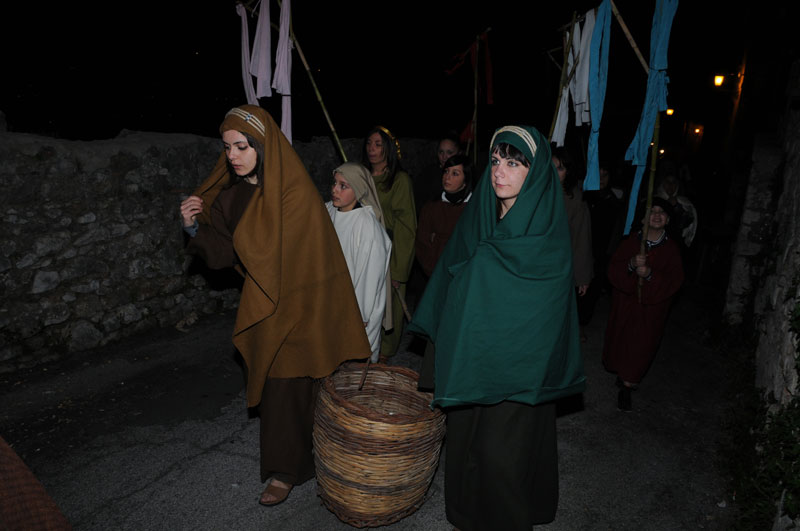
x: 356, y: 214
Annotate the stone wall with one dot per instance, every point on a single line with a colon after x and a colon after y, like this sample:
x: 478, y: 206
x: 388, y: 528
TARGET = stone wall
x: 754, y: 240
x: 765, y: 280
x: 91, y: 249
x: 777, y: 302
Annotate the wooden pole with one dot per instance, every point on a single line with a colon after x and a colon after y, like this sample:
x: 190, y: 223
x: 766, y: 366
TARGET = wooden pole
x: 628, y: 35
x: 313, y: 83
x: 564, y: 80
x: 475, y: 102
x: 649, y: 203
x: 654, y: 148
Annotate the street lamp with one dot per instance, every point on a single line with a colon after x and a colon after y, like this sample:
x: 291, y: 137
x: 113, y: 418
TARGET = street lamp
x: 718, y: 80
x: 670, y: 112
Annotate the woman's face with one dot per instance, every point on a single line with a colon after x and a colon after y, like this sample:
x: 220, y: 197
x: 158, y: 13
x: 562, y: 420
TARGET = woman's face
x: 242, y: 157
x: 376, y: 151
x: 670, y: 186
x: 453, y: 179
x: 508, y: 176
x: 447, y: 148
x: 562, y: 171
x: 342, y: 196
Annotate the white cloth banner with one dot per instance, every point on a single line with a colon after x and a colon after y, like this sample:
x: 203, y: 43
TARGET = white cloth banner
x: 562, y: 118
x: 282, y: 81
x: 580, y: 82
x: 261, y: 60
x: 248, y: 81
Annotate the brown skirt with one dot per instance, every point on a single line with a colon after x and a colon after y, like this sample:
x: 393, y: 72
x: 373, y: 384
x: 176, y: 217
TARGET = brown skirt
x: 287, y: 420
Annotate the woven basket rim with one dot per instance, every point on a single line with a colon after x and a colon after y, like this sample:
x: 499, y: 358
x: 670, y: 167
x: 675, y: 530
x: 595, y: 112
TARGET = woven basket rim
x: 328, y: 387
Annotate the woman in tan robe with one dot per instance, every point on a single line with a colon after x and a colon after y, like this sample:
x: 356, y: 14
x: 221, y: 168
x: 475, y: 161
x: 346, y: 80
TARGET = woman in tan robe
x: 259, y: 212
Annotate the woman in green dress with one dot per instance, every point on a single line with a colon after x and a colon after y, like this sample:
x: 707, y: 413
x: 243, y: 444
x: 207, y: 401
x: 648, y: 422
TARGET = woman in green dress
x: 381, y: 155
x: 500, y: 311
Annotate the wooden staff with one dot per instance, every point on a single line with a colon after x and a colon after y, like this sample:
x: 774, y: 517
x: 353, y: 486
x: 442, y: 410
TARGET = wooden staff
x: 649, y: 203
x: 474, y: 135
x: 313, y: 83
x: 628, y: 35
x: 654, y: 148
x: 402, y: 303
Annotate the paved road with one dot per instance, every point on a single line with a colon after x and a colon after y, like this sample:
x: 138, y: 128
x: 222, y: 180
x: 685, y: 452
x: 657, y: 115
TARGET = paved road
x: 153, y: 433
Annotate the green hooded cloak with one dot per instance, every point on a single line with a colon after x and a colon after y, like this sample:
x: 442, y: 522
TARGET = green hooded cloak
x: 500, y: 306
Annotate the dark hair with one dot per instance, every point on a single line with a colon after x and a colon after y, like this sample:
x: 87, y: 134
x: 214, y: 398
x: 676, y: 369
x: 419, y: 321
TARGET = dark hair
x: 469, y: 170
x: 390, y: 148
x: 453, y: 137
x: 507, y: 151
x: 258, y: 171
x: 570, y: 180
x: 641, y: 209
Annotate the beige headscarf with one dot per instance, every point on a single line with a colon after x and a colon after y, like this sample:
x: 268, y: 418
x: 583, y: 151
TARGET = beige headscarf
x: 360, y: 180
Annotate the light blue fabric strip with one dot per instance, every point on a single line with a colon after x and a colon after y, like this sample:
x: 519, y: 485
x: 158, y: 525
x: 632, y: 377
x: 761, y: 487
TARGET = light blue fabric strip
x: 655, y: 97
x: 598, y: 77
x: 633, y: 199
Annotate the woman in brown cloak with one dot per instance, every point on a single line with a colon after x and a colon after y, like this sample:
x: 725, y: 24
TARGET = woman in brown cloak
x: 259, y: 212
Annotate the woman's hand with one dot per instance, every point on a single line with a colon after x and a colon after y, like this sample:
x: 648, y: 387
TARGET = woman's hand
x: 582, y: 289
x: 190, y: 208
x: 395, y: 284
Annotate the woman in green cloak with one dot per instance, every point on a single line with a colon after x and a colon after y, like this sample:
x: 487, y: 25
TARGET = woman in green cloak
x: 501, y: 314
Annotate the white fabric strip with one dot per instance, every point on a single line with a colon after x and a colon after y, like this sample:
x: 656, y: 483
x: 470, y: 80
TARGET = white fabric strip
x: 580, y: 82
x: 282, y: 81
x: 249, y: 91
x: 261, y: 60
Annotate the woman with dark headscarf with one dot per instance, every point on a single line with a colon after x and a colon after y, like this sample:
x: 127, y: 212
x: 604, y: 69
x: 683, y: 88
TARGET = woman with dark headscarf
x: 500, y: 311
x: 260, y: 212
x: 381, y: 155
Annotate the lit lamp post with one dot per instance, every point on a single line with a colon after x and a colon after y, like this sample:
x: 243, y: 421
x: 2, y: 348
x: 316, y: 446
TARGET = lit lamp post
x: 738, y: 77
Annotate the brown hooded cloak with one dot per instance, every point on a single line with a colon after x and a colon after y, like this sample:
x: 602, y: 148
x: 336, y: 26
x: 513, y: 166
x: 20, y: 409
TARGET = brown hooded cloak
x: 298, y: 315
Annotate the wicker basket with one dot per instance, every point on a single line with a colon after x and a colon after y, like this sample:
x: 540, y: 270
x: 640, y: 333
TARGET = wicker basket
x: 375, y: 449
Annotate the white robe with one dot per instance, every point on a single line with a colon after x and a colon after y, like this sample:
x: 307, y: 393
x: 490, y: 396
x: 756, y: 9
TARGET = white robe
x: 367, y: 249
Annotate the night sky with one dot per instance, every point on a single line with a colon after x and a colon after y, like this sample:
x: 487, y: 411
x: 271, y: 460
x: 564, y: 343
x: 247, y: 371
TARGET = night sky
x: 88, y: 70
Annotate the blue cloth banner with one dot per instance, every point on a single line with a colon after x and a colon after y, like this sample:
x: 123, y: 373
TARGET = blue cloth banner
x: 655, y: 98
x: 598, y: 77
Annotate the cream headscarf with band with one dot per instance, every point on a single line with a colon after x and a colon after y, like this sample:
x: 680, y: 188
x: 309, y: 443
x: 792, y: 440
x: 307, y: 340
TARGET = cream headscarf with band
x: 360, y: 180
x: 296, y: 276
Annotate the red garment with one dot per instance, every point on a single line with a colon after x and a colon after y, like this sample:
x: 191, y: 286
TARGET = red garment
x: 635, y: 328
x: 24, y: 504
x: 436, y: 223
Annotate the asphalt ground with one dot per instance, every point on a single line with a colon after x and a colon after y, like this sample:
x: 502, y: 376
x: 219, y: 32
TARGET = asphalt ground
x: 153, y: 433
